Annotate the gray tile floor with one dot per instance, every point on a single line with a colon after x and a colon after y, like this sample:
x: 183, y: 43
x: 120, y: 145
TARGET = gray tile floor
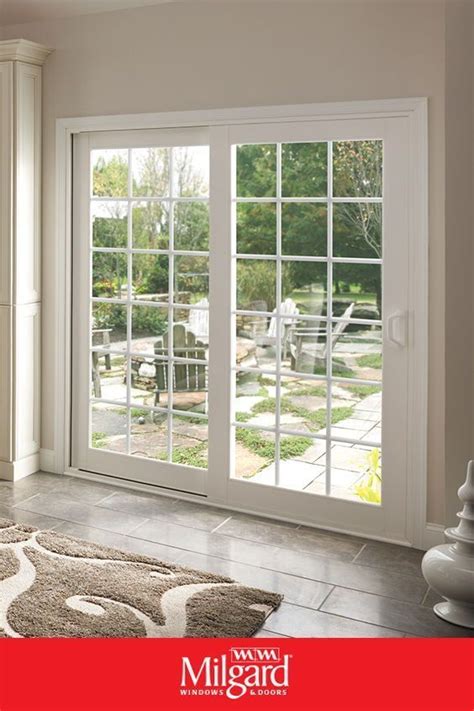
x: 334, y: 585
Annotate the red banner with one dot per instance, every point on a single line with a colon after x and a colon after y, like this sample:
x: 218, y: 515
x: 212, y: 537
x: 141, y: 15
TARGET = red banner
x: 296, y: 674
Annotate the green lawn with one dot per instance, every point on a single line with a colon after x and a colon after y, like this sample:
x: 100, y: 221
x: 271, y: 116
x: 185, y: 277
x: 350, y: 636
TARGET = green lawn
x: 371, y: 360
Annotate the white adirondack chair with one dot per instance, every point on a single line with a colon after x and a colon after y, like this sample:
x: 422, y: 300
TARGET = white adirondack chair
x: 307, y: 351
x: 288, y: 312
x: 198, y: 321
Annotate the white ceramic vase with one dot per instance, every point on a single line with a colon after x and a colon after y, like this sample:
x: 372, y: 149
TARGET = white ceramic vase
x: 449, y: 569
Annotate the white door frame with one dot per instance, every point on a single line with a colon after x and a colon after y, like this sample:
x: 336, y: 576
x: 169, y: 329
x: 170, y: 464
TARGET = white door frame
x: 416, y: 112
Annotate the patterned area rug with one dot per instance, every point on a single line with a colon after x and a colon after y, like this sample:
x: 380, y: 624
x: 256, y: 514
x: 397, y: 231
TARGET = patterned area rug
x: 52, y: 585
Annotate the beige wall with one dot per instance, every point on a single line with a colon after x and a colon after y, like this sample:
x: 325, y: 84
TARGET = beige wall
x: 210, y: 55
x: 459, y: 252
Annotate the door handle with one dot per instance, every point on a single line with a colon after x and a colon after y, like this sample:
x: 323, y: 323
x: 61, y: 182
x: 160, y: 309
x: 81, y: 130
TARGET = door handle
x: 397, y: 329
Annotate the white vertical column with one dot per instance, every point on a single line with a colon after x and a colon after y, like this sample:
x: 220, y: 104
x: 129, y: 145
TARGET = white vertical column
x: 221, y: 325
x: 20, y: 256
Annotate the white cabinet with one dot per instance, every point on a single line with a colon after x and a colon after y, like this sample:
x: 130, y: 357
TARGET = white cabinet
x: 20, y: 256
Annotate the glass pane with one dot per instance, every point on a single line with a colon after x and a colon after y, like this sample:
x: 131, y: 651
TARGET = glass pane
x: 356, y: 473
x: 300, y: 467
x: 150, y: 277
x: 357, y: 351
x: 357, y: 230
x: 254, y: 455
x: 150, y: 225
x: 190, y: 441
x: 188, y: 323
x: 256, y: 284
x: 359, y: 285
x: 191, y: 226
x: 191, y: 171
x: 192, y: 331
x: 256, y: 170
x: 191, y: 279
x: 357, y: 168
x: 255, y: 342
x: 304, y: 169
x: 109, y: 172
x: 109, y: 224
x: 256, y: 228
x: 304, y: 284
x: 109, y: 326
x: 150, y: 172
x: 363, y: 424
x: 146, y: 379
x: 305, y: 346
x: 250, y: 390
x: 363, y: 421
x: 157, y: 387
x: 149, y: 324
x: 109, y: 275
x: 255, y: 399
x: 190, y: 387
x: 109, y: 377
x: 303, y: 404
x: 304, y: 229
x: 109, y: 427
x: 149, y: 434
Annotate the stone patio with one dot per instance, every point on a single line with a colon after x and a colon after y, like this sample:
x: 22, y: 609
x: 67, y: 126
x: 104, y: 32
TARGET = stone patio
x: 305, y: 471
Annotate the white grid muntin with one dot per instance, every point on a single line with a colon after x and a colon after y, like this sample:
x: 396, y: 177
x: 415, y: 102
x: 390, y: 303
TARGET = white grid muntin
x: 310, y: 435
x: 131, y: 301
x: 310, y: 200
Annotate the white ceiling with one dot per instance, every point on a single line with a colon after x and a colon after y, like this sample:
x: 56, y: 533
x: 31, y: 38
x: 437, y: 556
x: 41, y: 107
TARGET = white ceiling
x: 14, y: 12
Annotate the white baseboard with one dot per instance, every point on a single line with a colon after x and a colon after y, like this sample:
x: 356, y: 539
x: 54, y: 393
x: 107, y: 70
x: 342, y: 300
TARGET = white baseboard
x: 14, y: 471
x: 48, y: 460
x: 433, y: 535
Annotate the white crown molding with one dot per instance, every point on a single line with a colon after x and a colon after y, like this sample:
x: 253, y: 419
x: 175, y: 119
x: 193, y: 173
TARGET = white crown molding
x: 21, y: 50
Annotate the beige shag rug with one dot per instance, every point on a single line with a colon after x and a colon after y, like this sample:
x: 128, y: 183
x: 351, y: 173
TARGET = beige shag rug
x: 52, y: 585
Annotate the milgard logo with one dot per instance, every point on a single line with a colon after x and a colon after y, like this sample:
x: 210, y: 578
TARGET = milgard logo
x: 257, y: 671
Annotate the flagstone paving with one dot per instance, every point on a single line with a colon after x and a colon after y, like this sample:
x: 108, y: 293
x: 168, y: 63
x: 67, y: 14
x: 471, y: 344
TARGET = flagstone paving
x: 303, y: 471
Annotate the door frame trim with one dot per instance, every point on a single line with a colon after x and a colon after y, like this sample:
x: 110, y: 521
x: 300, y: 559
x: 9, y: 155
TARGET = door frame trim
x: 415, y: 109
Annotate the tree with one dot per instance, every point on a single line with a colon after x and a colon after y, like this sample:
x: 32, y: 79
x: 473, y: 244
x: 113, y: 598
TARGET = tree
x: 357, y: 226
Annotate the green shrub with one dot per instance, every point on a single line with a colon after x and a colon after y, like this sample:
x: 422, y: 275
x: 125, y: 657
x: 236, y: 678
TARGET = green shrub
x: 370, y: 488
x: 99, y: 440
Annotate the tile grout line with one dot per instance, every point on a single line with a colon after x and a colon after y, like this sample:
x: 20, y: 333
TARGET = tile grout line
x: 109, y: 496
x: 363, y: 622
x: 333, y: 587
x: 364, y: 546
x: 425, y: 596
x: 378, y: 624
x: 134, y: 528
x: 24, y: 501
x: 221, y: 524
x: 341, y: 616
x: 264, y: 629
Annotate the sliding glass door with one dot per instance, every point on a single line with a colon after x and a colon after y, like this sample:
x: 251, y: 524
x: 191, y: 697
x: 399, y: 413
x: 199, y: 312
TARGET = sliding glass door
x: 308, y: 368
x: 242, y: 319
x: 142, y: 306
